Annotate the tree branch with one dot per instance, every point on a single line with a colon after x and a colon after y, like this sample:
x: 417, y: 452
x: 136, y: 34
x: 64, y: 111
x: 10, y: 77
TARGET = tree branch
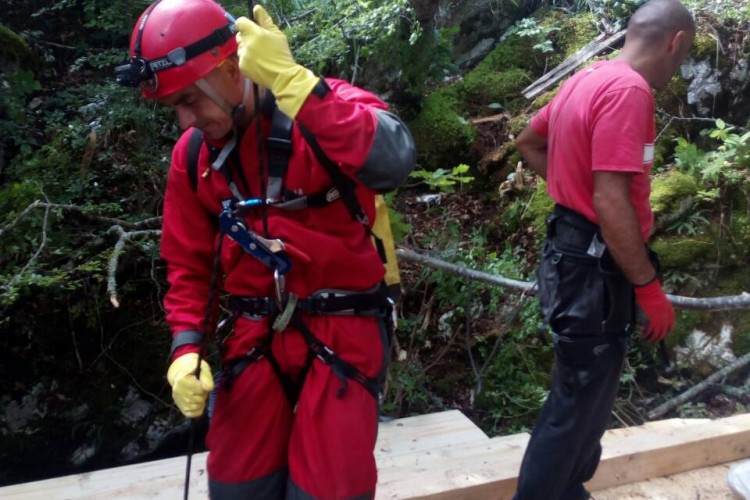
x: 724, y: 303
x: 75, y: 208
x: 698, y: 388
x: 116, y: 251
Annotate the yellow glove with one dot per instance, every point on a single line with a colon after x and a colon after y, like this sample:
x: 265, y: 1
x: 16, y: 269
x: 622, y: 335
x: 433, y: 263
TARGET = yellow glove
x: 265, y: 58
x: 188, y: 392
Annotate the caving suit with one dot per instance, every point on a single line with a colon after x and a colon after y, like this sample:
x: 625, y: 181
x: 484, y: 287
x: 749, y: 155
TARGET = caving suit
x: 292, y: 423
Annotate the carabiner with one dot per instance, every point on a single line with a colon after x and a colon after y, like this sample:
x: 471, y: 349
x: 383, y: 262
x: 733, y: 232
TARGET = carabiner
x: 279, y: 282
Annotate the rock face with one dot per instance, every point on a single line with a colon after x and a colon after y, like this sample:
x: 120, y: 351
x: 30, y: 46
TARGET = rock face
x: 480, y: 24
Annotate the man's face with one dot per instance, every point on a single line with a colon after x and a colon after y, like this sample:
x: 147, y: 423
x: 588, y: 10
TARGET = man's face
x: 196, y: 109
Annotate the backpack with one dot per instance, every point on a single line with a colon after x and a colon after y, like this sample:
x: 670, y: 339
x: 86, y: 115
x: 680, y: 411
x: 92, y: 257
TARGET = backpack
x: 279, y: 150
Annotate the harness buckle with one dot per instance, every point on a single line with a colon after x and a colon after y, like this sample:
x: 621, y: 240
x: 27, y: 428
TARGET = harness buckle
x: 326, y: 355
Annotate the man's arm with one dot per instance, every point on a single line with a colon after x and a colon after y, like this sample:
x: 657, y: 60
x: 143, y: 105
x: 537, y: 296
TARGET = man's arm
x: 621, y: 232
x: 619, y: 224
x: 533, y: 148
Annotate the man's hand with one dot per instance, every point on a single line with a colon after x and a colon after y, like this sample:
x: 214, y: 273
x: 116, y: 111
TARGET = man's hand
x: 657, y: 308
x: 265, y: 58
x: 188, y: 392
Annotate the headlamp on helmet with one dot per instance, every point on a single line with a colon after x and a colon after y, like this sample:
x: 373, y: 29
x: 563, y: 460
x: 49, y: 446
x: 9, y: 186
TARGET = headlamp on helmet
x: 171, y: 26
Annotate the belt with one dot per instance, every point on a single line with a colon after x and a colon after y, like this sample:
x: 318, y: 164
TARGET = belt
x: 339, y: 302
x: 570, y: 231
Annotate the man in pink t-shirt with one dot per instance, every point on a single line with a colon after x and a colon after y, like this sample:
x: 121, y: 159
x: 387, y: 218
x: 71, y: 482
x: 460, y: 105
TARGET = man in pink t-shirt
x: 594, y: 144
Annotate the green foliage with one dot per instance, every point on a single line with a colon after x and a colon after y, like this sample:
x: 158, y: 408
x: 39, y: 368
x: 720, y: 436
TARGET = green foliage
x: 616, y: 11
x: 727, y: 163
x: 691, y: 225
x: 337, y: 37
x: 725, y: 11
x: 399, y: 226
x: 511, y: 371
x: 442, y: 179
x: 16, y: 127
x: 539, y: 207
x: 105, y: 20
x: 693, y: 410
x: 539, y: 35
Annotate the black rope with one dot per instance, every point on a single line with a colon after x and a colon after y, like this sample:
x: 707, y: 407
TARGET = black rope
x: 203, y: 352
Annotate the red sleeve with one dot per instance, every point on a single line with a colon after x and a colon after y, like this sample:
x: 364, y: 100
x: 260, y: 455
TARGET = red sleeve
x: 540, y: 122
x: 187, y: 245
x: 622, y: 128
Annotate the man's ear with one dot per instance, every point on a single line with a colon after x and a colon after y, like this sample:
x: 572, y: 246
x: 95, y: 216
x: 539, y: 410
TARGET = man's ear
x: 231, y: 66
x: 675, y: 44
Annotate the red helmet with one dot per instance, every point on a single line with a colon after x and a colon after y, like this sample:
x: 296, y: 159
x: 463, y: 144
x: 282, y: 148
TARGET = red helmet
x: 175, y: 43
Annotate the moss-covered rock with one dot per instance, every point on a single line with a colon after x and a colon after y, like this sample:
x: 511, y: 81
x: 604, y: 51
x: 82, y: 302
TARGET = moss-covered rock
x: 513, y: 52
x: 14, y: 52
x: 682, y: 253
x: 518, y: 123
x: 483, y: 87
x: 704, y: 46
x: 667, y: 191
x: 442, y: 136
x: 539, y: 207
x: 576, y: 32
x: 545, y: 98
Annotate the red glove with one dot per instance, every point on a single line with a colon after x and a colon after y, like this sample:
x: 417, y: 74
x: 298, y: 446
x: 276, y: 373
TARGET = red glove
x: 657, y: 308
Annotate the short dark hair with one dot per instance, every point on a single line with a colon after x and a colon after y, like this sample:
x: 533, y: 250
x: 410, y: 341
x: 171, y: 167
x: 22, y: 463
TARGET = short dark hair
x: 657, y: 19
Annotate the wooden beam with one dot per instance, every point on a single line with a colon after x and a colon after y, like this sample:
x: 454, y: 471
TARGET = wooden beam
x: 489, y: 470
x: 442, y: 456
x: 566, y: 67
x: 667, y: 447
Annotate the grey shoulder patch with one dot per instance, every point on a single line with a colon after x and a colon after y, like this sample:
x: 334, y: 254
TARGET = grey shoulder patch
x: 392, y: 157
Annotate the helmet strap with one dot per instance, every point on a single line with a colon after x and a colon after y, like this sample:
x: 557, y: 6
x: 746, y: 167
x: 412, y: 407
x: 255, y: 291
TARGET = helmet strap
x: 212, y: 94
x: 238, y: 112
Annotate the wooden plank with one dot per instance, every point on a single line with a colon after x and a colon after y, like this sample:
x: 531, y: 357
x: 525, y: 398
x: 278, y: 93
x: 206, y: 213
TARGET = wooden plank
x: 164, y: 479
x: 668, y: 447
x: 158, y: 480
x: 425, y: 432
x: 480, y: 470
x: 708, y: 483
x: 566, y: 67
x: 441, y: 457
x: 633, y: 454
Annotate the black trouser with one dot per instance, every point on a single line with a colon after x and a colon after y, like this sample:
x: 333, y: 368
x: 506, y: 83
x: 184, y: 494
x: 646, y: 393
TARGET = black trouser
x: 588, y: 304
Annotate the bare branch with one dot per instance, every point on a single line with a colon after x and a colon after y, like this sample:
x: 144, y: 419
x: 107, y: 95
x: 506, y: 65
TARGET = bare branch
x: 724, y: 303
x: 39, y: 249
x: 114, y: 258
x: 700, y: 387
x: 20, y: 216
x: 465, y: 272
x: 153, y: 221
x: 672, y: 118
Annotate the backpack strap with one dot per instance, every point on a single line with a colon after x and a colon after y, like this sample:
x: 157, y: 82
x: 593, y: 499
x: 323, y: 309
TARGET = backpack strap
x: 194, y: 150
x: 279, y: 151
x: 344, y: 184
